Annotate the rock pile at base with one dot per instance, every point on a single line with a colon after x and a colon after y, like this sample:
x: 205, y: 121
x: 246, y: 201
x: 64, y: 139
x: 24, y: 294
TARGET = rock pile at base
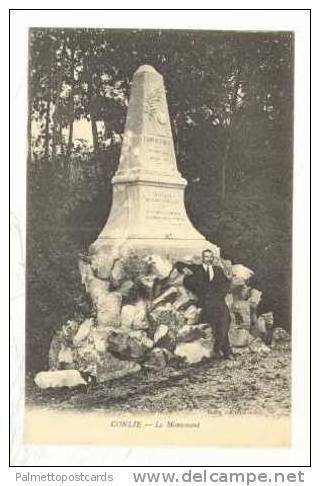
x: 138, y: 314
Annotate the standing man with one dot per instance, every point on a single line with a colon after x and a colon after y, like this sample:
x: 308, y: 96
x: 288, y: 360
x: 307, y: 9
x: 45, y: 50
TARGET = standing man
x: 210, y: 284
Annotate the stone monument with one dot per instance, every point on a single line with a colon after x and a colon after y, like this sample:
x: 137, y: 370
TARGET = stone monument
x: 148, y: 212
x: 135, y: 311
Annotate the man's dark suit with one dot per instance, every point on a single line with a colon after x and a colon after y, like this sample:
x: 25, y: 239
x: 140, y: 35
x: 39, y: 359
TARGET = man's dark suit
x: 211, y: 298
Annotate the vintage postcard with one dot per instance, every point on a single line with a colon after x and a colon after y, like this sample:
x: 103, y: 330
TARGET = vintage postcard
x: 159, y: 237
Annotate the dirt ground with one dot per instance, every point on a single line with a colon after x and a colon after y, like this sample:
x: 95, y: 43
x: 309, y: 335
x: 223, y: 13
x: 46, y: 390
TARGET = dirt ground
x: 251, y: 384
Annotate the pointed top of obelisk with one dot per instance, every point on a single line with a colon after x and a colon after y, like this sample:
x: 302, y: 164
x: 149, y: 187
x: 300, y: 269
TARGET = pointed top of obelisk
x: 146, y: 68
x: 147, y: 151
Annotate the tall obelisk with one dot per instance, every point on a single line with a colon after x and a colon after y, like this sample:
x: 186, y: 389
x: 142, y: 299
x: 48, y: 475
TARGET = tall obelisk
x: 148, y: 211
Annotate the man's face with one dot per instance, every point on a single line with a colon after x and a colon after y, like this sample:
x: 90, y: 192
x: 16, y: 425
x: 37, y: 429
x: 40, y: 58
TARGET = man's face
x: 207, y: 257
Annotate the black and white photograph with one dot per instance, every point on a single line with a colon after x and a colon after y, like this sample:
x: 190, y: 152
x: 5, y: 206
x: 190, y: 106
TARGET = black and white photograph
x: 159, y: 229
x: 159, y: 240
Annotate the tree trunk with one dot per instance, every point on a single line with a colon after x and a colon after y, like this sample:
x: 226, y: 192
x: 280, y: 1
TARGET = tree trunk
x: 91, y: 107
x: 70, y: 138
x: 224, y: 168
x: 233, y: 106
x: 60, y: 135
x: 223, y: 183
x: 94, y: 134
x: 71, y: 105
x: 57, y: 116
x: 109, y: 133
x: 106, y: 130
x: 94, y: 128
x: 47, y: 130
x: 54, y: 137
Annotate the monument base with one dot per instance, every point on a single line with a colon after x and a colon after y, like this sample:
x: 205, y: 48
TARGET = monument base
x: 105, y: 251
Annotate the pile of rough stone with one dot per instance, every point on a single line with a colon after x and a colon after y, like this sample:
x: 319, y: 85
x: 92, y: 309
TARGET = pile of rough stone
x: 138, y: 315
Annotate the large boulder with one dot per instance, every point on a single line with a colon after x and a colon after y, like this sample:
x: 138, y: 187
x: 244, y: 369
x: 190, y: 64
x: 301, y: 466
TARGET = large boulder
x: 147, y: 284
x: 168, y: 294
x: 134, y: 316
x: 102, y: 261
x: 127, y: 316
x: 239, y: 289
x: 226, y: 266
x: 108, y: 308
x: 192, y: 314
x: 125, y: 345
x: 239, y: 338
x: 195, y: 351
x: 254, y: 298
x: 106, y: 303
x: 117, y: 273
x: 242, y: 314
x: 280, y: 335
x: 240, y: 271
x: 136, y: 265
x: 165, y: 337
x: 100, y: 338
x: 117, y: 343
x: 159, y: 266
x: 140, y: 312
x: 175, y: 291
x: 166, y: 314
x: 268, y: 320
x: 97, y: 288
x: 112, y: 368
x: 156, y: 359
x: 59, y: 379
x: 86, y: 273
x: 138, y: 346
x: 259, y: 347
x: 88, y: 356
x: 83, y: 331
x: 66, y: 358
x: 161, y: 331
x: 188, y: 333
x: 263, y: 327
x: 61, y: 346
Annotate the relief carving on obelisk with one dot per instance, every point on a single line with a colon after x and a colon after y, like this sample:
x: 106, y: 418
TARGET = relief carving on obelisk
x: 147, y: 149
x: 154, y: 109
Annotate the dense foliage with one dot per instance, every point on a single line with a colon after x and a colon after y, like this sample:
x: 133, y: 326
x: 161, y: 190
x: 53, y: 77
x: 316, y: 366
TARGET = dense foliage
x: 230, y: 97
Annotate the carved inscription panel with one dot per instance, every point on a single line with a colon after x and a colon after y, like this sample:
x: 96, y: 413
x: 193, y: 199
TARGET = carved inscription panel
x: 159, y: 152
x: 163, y: 206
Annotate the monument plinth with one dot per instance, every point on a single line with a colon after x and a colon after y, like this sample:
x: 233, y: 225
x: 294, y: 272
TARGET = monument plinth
x: 148, y: 210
